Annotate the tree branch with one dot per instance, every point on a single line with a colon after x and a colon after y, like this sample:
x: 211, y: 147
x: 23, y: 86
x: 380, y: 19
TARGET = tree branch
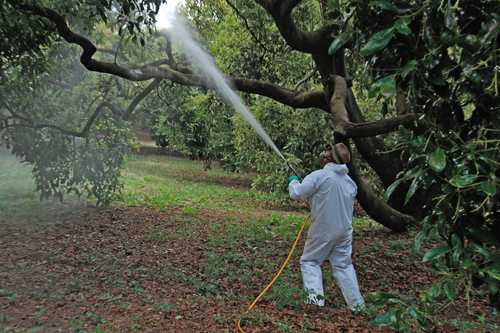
x: 116, y: 110
x: 386, y: 166
x: 137, y: 99
x: 348, y: 129
x: 373, y: 128
x: 29, y: 123
x: 114, y: 53
x: 305, y: 41
x: 376, y: 207
x: 314, y: 99
x: 305, y: 79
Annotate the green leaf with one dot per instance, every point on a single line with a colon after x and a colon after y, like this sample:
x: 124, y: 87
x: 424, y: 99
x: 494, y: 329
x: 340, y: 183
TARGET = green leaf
x: 435, y: 291
x: 418, y: 141
x: 391, y: 188
x: 402, y: 26
x: 333, y: 4
x: 5, y: 292
x: 413, y: 312
x: 409, y: 67
x: 435, y: 253
x: 384, y: 319
x: 385, y: 86
x: 411, y: 190
x: 377, y: 42
x: 462, y: 181
x: 412, y: 173
x: 468, y: 264
x: 449, y: 291
x: 488, y: 187
x: 450, y: 19
x: 383, y: 4
x: 381, y: 297
x: 417, y: 243
x: 437, y: 160
x: 493, y: 271
x: 339, y: 42
x: 481, y: 250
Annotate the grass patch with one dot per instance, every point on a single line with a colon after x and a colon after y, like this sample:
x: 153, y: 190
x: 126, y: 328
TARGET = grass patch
x: 19, y: 200
x: 163, y: 183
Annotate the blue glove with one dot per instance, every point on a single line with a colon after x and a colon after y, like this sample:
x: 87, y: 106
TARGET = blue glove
x: 292, y: 178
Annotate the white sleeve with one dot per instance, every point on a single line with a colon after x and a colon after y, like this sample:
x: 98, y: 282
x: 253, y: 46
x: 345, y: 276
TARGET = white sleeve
x: 301, y: 191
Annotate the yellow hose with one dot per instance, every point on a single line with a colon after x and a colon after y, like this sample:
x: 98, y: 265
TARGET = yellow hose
x: 276, y: 276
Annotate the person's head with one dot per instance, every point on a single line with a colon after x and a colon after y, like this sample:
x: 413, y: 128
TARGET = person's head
x: 338, y: 153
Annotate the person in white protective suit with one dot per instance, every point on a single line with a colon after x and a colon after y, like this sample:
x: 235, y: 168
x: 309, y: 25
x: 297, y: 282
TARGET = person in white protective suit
x: 331, y: 193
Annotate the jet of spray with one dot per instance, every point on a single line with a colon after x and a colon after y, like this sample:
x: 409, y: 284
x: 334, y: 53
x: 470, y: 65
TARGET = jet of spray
x: 206, y: 65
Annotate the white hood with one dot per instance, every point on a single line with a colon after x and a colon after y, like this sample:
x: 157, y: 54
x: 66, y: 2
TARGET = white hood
x: 338, y: 168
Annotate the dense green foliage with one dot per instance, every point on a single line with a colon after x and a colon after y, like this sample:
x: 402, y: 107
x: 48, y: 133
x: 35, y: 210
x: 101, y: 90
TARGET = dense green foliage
x: 194, y: 122
x: 44, y: 118
x: 443, y: 56
x: 25, y: 39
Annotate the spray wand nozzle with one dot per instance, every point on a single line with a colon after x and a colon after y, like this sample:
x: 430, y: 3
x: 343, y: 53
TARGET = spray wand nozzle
x: 292, y: 169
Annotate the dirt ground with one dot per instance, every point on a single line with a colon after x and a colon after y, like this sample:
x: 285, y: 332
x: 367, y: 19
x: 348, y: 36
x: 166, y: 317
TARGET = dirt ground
x: 107, y: 271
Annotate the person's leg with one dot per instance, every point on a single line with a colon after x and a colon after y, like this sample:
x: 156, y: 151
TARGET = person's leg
x: 315, y: 252
x: 344, y: 273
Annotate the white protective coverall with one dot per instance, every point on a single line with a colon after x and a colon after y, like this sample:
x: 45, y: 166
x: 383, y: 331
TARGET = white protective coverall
x: 331, y: 193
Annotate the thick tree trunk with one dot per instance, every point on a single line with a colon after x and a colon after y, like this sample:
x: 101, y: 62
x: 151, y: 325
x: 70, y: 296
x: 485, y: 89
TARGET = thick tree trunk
x: 379, y: 210
x: 386, y: 165
x: 344, y: 109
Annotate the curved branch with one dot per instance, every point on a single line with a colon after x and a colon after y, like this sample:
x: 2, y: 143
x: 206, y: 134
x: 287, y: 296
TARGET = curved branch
x: 160, y: 70
x: 305, y: 41
x: 349, y: 129
x: 137, y: 99
x: 305, y: 79
x: 386, y: 166
x: 298, y: 100
x: 376, y: 207
x: 373, y: 128
x: 116, y: 110
x: 29, y: 123
x: 114, y: 53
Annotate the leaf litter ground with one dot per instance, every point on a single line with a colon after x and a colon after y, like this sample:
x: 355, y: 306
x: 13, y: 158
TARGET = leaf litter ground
x: 183, y: 265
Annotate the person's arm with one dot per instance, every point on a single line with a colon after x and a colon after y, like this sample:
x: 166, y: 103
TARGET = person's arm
x: 301, y: 191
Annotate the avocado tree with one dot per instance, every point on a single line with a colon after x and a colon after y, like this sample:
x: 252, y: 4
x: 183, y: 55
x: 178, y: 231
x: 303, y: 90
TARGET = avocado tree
x: 431, y: 65
x: 316, y: 43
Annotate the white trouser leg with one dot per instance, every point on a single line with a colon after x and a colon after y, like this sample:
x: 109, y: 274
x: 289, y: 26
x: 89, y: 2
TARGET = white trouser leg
x: 344, y: 273
x: 313, y: 282
x: 315, y: 252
